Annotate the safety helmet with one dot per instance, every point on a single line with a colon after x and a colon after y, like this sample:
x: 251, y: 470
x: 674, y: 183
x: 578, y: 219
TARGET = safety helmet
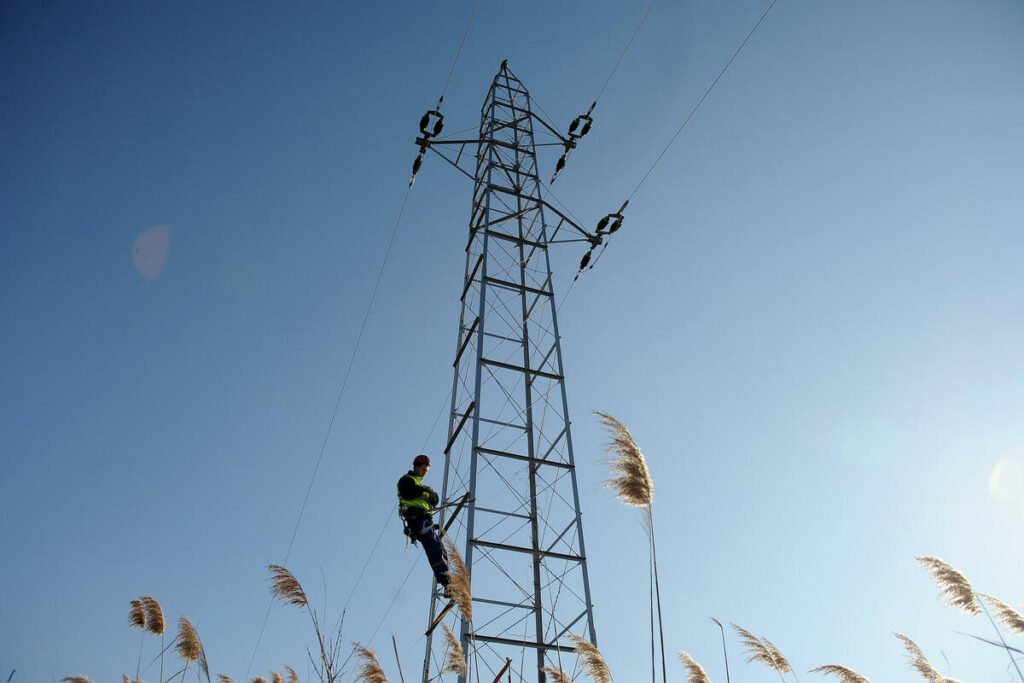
x: 420, y: 460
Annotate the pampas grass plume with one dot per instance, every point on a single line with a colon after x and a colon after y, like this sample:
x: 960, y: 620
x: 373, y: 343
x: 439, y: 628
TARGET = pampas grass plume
x: 557, y: 675
x: 633, y: 485
x: 459, y: 584
x: 188, y: 645
x: 953, y: 585
x: 920, y: 663
x: 781, y: 663
x: 593, y: 661
x: 455, y: 660
x: 276, y: 677
x: 292, y: 676
x: 757, y: 651
x: 694, y: 672
x: 137, y: 615
x: 224, y: 678
x: 370, y: 670
x: 76, y: 679
x: 1010, y: 618
x: 155, y: 623
x: 284, y: 585
x: 843, y: 673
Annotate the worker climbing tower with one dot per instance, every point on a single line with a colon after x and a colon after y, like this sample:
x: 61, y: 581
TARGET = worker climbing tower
x: 509, y: 443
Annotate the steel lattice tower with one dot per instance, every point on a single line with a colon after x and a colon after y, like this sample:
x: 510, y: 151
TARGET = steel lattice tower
x: 509, y: 440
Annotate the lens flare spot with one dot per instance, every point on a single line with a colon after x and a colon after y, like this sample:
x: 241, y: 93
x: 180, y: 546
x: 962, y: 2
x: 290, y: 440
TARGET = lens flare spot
x: 150, y: 250
x: 1006, y: 481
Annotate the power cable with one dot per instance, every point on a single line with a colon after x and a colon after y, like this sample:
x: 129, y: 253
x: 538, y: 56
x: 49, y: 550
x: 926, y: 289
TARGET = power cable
x: 334, y: 416
x: 459, y: 52
x: 628, y: 45
x: 703, y: 97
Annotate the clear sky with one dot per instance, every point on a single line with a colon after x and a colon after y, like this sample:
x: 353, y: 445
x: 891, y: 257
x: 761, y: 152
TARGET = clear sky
x: 811, y: 320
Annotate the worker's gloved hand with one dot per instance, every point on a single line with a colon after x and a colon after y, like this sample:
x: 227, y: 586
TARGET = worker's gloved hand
x: 434, y: 498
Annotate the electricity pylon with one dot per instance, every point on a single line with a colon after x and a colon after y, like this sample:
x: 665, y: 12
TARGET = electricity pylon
x: 509, y: 441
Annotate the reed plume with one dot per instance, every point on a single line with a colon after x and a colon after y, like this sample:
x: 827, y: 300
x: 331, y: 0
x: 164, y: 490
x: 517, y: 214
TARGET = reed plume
x: 276, y: 677
x: 557, y: 675
x: 292, y: 676
x: 370, y: 670
x: 155, y: 623
x: 1009, y: 617
x: 953, y: 585
x: 593, y: 661
x: 224, y: 678
x: 188, y: 646
x: 781, y: 663
x: 757, y: 651
x: 137, y: 615
x: 633, y: 485
x: 455, y: 659
x: 843, y: 673
x: 76, y: 679
x: 920, y: 663
x: 285, y: 586
x: 259, y: 679
x: 694, y: 672
x: 459, y: 584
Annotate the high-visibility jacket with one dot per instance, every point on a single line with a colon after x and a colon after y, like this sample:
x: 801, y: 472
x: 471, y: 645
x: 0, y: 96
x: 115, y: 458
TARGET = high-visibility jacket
x: 420, y: 504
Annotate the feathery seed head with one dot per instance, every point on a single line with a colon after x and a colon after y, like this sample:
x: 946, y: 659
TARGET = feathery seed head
x: 694, y: 672
x: 292, y: 676
x: 76, y: 679
x: 633, y: 485
x: 592, y: 659
x: 155, y: 623
x: 285, y: 586
x: 370, y: 670
x: 918, y: 661
x: 1009, y: 617
x: 844, y: 674
x: 459, y: 584
x: 276, y: 677
x: 137, y: 615
x: 781, y: 663
x: 259, y: 679
x: 953, y: 585
x: 757, y: 651
x: 455, y: 660
x: 188, y: 645
x: 557, y: 675
x: 224, y: 678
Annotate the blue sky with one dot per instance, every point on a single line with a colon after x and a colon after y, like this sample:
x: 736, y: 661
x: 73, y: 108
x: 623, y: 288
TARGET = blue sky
x: 811, y: 320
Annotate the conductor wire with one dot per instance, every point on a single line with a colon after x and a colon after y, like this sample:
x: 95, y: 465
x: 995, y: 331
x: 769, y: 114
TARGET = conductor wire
x: 703, y: 97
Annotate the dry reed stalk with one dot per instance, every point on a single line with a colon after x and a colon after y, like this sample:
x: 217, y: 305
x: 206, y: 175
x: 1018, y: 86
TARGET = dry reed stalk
x: 224, y: 678
x: 694, y: 672
x: 557, y: 675
x: 137, y: 615
x: 155, y: 623
x: 459, y: 584
x: 292, y: 676
x: 593, y: 661
x: 953, y: 585
x: 284, y: 585
x: 920, y: 663
x: 634, y: 485
x: 370, y: 670
x: 843, y: 673
x: 188, y: 645
x: 455, y: 660
x: 276, y: 677
x: 1010, y: 618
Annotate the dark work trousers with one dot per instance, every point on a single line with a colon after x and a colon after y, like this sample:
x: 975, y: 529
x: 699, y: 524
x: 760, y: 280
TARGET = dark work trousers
x: 427, y: 535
